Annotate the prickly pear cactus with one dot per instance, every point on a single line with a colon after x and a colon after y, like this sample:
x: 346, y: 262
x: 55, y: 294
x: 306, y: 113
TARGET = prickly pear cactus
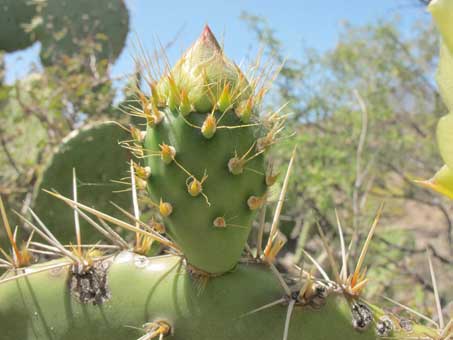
x: 98, y: 159
x: 67, y: 26
x: 203, y: 172
x: 14, y: 14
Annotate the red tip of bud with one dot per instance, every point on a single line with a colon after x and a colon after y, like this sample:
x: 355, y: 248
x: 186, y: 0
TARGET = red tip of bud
x: 208, y: 37
x: 207, y: 32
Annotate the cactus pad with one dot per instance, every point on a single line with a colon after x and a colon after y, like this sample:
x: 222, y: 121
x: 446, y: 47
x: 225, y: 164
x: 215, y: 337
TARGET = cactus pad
x: 98, y: 159
x: 205, y: 163
x: 162, y: 289
x: 68, y: 26
x: 14, y: 14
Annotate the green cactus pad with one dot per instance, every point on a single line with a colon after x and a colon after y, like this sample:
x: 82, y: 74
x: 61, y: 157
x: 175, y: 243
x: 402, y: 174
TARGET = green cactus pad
x: 44, y: 306
x: 14, y: 14
x: 98, y: 159
x: 68, y: 25
x: 205, y: 184
x: 191, y: 223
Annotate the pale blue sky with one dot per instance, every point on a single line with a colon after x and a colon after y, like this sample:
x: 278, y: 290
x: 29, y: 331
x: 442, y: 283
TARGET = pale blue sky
x: 297, y: 23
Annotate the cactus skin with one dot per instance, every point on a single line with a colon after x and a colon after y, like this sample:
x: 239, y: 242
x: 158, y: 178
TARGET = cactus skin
x: 162, y: 288
x: 13, y: 15
x: 98, y: 159
x: 191, y: 224
x: 73, y: 23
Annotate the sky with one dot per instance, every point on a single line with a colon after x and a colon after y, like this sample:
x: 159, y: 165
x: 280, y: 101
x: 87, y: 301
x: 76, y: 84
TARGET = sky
x: 297, y: 23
